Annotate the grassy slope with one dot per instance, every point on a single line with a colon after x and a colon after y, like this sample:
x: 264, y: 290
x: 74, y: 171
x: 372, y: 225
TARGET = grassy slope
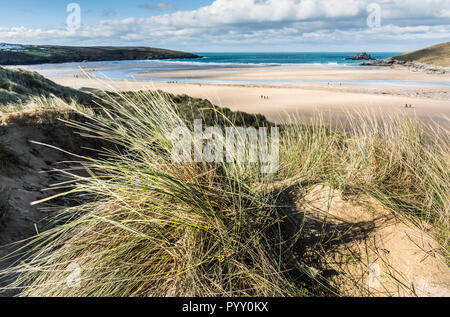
x: 17, y: 86
x: 436, y: 55
x: 189, y: 108
x: 63, y: 54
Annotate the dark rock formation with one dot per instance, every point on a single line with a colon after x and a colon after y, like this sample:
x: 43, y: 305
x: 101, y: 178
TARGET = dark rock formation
x: 361, y: 56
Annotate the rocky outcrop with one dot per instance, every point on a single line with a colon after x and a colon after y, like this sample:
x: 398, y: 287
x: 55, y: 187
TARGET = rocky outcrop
x: 413, y: 66
x: 361, y: 56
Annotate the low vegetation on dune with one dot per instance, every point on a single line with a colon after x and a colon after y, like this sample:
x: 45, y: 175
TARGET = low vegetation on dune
x: 20, y: 89
x: 18, y: 86
x: 436, y: 55
x: 186, y: 107
x: 149, y: 226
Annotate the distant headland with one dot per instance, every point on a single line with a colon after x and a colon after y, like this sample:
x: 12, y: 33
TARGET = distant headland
x: 17, y: 54
x: 435, y: 59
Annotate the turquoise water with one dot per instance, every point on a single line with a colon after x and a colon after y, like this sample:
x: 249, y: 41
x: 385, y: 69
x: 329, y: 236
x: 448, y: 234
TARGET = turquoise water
x: 327, y: 58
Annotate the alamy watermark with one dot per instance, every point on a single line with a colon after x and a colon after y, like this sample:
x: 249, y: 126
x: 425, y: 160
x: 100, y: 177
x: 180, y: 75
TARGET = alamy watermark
x: 74, y: 18
x: 73, y: 280
x: 374, y: 17
x: 374, y: 278
x: 237, y: 144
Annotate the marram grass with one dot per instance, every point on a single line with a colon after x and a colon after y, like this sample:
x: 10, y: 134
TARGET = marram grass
x: 152, y: 227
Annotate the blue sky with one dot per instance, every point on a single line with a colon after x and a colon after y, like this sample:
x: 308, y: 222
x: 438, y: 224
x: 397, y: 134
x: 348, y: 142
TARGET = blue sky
x: 52, y: 13
x: 233, y: 25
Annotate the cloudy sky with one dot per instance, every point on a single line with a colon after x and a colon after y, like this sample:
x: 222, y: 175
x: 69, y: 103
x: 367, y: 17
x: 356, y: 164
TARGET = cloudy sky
x: 231, y: 25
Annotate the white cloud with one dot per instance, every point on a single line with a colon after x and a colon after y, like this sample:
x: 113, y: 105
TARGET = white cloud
x: 258, y: 22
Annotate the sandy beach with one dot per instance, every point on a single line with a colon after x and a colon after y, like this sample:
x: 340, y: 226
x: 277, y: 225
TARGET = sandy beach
x: 290, y: 90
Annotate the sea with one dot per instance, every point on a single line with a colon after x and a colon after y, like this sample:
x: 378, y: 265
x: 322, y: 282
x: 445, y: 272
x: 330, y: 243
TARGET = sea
x: 276, y: 59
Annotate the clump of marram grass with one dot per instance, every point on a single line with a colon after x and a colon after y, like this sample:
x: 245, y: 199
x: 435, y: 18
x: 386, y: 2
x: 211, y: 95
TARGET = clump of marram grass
x: 153, y: 227
x: 402, y: 163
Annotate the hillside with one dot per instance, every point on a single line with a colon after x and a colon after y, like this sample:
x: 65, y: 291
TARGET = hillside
x: 34, y: 54
x: 20, y: 85
x: 436, y: 55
